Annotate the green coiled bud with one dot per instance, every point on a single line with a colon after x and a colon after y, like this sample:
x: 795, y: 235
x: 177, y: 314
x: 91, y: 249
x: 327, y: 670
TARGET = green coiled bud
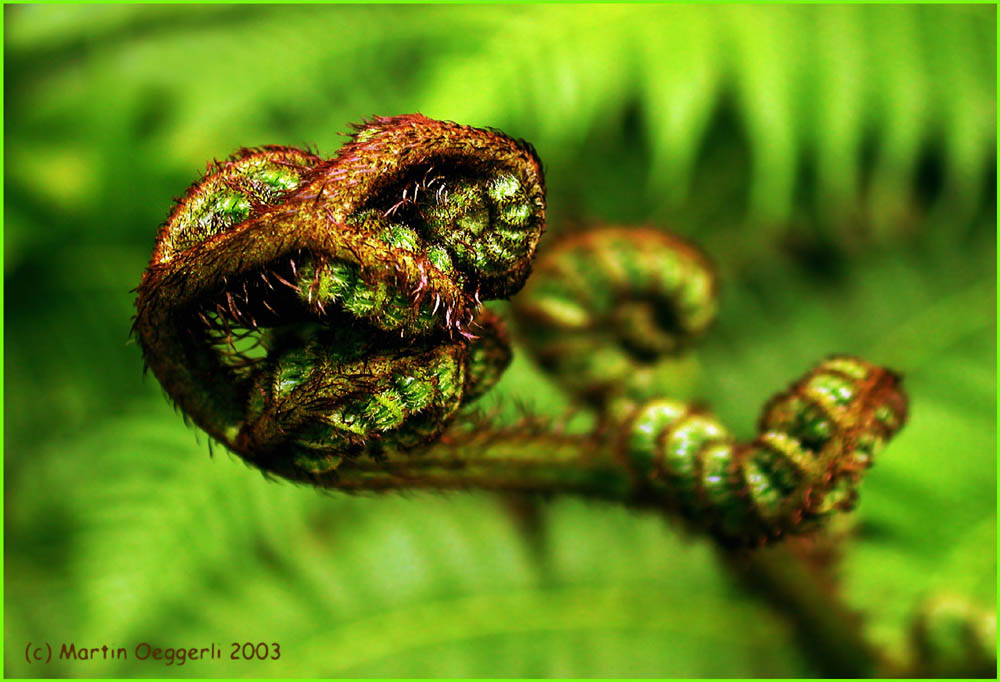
x: 607, y: 311
x: 815, y: 441
x: 306, y: 312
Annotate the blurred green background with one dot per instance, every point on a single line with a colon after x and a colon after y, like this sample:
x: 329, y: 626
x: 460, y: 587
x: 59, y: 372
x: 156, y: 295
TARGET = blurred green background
x: 838, y: 163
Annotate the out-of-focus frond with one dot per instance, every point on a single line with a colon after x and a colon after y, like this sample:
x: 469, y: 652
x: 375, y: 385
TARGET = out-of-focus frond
x: 837, y: 103
x: 183, y: 549
x: 824, y: 87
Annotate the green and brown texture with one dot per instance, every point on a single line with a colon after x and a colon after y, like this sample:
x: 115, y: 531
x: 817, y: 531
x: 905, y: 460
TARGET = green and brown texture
x: 315, y: 318
x: 606, y: 310
x: 610, y: 311
x: 305, y: 312
x: 837, y: 162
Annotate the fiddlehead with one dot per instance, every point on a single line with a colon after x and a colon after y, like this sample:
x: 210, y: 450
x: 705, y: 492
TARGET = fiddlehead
x: 951, y: 636
x: 608, y: 304
x: 814, y: 442
x: 607, y: 310
x: 323, y: 319
x: 304, y: 311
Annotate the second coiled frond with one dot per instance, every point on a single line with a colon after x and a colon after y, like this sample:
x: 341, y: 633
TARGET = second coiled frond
x: 606, y: 307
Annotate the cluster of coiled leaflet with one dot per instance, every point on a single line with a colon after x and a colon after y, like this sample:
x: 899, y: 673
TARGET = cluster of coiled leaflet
x: 305, y: 312
x: 605, y: 307
x: 324, y: 320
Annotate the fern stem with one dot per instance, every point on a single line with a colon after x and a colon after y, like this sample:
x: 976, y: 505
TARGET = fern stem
x: 587, y: 465
x: 501, y: 460
x: 825, y: 626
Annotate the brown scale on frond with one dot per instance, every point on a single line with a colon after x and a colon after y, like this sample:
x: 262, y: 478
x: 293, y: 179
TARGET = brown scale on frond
x: 275, y: 244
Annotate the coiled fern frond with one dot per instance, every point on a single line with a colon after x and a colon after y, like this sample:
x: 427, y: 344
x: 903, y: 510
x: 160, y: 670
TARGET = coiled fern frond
x: 605, y: 307
x: 317, y: 319
x: 303, y: 311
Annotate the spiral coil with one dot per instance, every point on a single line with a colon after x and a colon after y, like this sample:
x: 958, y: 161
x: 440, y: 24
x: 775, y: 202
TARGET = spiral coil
x: 814, y: 443
x: 606, y: 309
x: 606, y: 306
x: 302, y: 311
x: 323, y: 319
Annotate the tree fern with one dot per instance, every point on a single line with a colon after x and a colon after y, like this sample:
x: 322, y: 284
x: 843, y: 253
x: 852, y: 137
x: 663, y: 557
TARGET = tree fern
x: 763, y: 132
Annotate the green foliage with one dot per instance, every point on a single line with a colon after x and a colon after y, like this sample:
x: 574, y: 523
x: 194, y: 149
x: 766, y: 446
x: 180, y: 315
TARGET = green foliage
x: 836, y: 162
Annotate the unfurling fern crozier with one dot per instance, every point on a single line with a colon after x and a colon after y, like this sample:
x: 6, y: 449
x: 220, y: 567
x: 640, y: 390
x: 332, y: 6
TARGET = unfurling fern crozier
x: 305, y: 311
x: 606, y: 307
x: 814, y: 442
x: 323, y: 320
x: 607, y: 311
